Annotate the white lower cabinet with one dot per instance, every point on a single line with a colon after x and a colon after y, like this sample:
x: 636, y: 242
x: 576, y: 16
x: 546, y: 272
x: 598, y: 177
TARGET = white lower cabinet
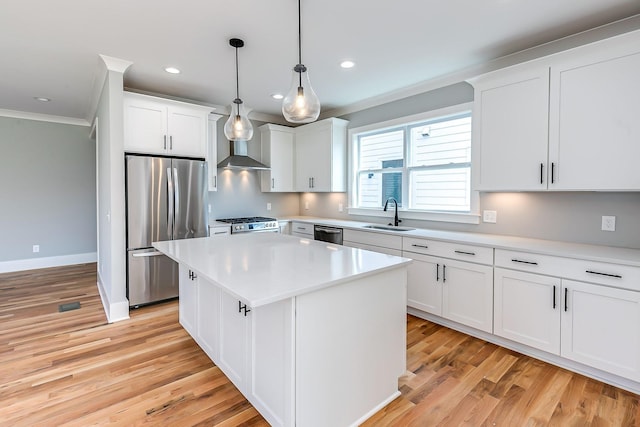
x: 527, y: 309
x: 235, y: 340
x: 601, y: 327
x: 188, y: 291
x: 538, y: 303
x: 207, y: 321
x: 440, y: 283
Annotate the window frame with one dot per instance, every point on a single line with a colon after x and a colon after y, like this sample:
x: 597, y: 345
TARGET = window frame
x: 471, y: 217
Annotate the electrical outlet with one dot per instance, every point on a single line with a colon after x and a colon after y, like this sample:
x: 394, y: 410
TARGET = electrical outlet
x: 209, y: 207
x: 490, y: 216
x: 608, y: 223
x: 36, y: 248
x: 306, y: 205
x: 340, y: 207
x: 268, y: 206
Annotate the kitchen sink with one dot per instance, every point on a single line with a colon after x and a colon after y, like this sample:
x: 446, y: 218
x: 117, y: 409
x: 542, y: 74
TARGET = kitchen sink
x: 388, y: 227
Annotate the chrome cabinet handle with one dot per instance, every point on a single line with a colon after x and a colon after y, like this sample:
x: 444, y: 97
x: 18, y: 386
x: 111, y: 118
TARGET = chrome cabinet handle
x: 171, y: 142
x: 273, y: 183
x: 541, y: 171
x: 554, y: 297
x: 215, y: 181
x: 165, y: 142
x: 444, y: 273
x: 437, y: 272
x: 415, y: 245
x: 553, y: 166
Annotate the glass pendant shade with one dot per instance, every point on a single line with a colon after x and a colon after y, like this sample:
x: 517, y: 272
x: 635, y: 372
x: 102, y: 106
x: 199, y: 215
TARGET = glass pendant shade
x: 301, y: 104
x: 238, y: 126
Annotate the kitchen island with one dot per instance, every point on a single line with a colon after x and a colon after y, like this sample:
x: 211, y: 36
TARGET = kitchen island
x: 313, y: 334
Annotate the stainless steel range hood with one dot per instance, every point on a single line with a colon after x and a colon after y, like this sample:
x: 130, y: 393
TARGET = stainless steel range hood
x: 238, y: 158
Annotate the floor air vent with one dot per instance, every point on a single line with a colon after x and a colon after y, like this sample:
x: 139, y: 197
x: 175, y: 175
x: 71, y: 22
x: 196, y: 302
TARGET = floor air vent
x: 69, y: 306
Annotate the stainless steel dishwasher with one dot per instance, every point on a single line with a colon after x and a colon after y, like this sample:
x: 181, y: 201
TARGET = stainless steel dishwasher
x: 327, y: 234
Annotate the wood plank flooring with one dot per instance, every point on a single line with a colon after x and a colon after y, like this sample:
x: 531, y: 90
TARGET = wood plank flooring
x: 73, y: 369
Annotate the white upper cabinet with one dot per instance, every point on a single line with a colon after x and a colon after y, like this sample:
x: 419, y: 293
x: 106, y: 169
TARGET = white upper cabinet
x: 277, y: 153
x: 510, y: 128
x: 321, y: 156
x: 160, y: 126
x: 212, y: 151
x: 563, y: 122
x: 594, y: 125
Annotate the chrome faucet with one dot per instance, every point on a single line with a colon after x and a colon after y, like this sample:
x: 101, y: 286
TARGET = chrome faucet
x: 396, y: 221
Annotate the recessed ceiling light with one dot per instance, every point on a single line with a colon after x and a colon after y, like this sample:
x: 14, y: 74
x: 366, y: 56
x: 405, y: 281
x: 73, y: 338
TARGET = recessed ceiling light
x: 172, y: 70
x: 347, y: 64
x: 277, y: 96
x: 41, y: 99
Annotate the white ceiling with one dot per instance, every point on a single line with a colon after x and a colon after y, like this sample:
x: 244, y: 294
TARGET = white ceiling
x: 50, y: 48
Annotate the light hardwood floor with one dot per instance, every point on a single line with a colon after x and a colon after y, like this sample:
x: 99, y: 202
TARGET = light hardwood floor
x: 73, y: 369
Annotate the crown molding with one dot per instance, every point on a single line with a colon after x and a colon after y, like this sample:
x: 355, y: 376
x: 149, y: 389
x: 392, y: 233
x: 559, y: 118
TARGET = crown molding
x: 43, y: 117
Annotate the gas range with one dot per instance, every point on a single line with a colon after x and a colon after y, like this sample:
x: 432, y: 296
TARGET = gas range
x: 252, y: 224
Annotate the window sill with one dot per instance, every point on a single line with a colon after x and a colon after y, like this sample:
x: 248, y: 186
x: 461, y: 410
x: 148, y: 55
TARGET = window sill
x: 461, y: 218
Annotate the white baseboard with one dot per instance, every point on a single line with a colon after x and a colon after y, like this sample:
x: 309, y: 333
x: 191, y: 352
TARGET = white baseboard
x: 115, y: 311
x: 46, y: 262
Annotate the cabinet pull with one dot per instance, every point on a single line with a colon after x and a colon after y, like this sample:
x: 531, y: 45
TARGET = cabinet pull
x: 554, y: 297
x: 243, y: 307
x: 566, y: 304
x: 541, y: 171
x: 524, y: 262
x: 165, y: 142
x: 415, y: 245
x: 171, y: 142
x: 437, y: 272
x: 313, y: 184
x: 215, y: 181
x: 192, y: 275
x: 617, y: 276
x: 273, y: 183
x: 444, y: 273
x: 553, y: 166
x: 465, y: 253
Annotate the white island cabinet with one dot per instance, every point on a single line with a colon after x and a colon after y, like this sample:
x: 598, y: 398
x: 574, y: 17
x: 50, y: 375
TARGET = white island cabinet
x: 312, y: 334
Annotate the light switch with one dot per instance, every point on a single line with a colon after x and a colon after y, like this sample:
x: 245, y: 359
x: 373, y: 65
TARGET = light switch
x: 490, y: 216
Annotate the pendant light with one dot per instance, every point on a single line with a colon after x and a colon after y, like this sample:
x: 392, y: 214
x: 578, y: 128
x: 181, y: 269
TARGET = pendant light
x: 238, y: 127
x: 301, y: 105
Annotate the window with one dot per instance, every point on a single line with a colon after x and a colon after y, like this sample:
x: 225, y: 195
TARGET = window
x: 424, y: 164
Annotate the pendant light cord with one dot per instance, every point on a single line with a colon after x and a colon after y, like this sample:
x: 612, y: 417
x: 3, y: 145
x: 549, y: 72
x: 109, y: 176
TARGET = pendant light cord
x: 299, y: 44
x: 237, y: 83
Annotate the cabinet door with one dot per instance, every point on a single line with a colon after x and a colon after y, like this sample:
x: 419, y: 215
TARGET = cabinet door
x: 510, y: 129
x: 277, y: 153
x: 235, y: 331
x: 527, y: 309
x: 187, y: 132
x: 601, y: 327
x: 145, y: 125
x: 424, y: 283
x: 467, y: 294
x: 594, y: 126
x: 208, y: 315
x: 313, y: 160
x: 212, y: 151
x: 187, y: 303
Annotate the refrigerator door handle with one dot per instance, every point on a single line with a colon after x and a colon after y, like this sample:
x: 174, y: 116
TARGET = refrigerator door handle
x: 176, y: 201
x: 170, y: 202
x: 146, y: 254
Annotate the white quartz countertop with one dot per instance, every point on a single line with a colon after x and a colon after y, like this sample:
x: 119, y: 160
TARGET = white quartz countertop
x: 262, y: 268
x: 610, y: 254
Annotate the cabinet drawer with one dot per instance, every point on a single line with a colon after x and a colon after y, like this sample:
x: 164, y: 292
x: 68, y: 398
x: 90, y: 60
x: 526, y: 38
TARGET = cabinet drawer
x: 459, y: 251
x: 616, y: 275
x: 372, y: 238
x: 302, y: 228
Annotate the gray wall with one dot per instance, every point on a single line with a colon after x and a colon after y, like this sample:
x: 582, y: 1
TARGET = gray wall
x: 572, y: 217
x: 48, y: 178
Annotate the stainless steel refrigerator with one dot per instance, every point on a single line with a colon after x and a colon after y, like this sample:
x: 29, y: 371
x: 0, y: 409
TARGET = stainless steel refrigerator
x: 166, y: 199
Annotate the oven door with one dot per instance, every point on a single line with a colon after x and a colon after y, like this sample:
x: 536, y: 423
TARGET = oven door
x: 327, y: 234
